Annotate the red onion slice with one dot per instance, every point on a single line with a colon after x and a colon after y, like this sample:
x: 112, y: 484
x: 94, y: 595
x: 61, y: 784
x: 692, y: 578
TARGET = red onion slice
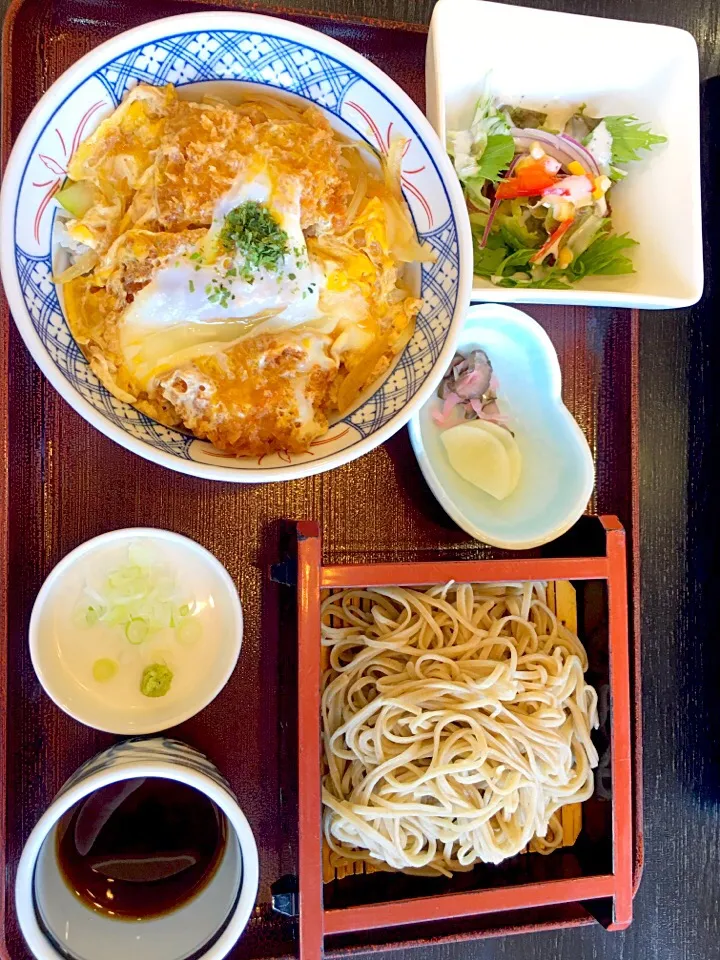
x: 590, y: 161
x: 488, y: 225
x: 563, y: 148
x: 496, y: 203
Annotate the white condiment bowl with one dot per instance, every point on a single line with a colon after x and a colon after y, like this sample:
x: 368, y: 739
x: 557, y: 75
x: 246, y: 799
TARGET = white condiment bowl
x: 557, y: 475
x: 51, y: 627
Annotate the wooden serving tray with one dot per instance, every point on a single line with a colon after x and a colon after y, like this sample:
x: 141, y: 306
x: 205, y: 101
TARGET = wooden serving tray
x: 62, y: 482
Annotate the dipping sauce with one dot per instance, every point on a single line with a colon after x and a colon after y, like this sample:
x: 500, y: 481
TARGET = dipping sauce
x: 140, y: 848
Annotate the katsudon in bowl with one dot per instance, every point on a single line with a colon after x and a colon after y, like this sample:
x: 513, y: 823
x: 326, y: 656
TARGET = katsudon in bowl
x: 249, y: 261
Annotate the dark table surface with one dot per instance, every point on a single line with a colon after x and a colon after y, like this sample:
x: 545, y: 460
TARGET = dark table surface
x: 677, y: 909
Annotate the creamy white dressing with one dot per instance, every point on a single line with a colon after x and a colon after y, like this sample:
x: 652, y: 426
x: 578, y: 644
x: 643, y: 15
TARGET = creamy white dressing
x: 461, y: 144
x: 600, y: 146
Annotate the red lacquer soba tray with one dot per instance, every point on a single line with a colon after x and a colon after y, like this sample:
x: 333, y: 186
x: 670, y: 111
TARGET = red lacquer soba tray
x: 593, y: 876
x: 61, y: 482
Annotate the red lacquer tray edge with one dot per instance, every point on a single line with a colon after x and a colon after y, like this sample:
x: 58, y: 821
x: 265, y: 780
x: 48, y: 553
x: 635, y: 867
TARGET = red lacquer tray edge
x: 317, y: 921
x: 636, y: 675
x: 4, y: 491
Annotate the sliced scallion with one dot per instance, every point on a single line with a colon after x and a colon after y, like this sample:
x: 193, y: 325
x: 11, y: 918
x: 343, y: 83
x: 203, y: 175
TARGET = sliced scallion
x: 137, y: 630
x: 104, y: 669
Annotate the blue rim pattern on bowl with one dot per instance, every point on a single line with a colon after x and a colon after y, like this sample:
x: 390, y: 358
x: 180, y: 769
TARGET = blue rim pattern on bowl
x: 300, y: 69
x: 160, y: 749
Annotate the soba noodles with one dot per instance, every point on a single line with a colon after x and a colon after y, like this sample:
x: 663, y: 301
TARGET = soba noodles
x: 456, y: 724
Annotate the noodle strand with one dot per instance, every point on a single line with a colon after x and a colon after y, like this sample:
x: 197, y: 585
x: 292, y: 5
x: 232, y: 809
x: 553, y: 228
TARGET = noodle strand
x: 456, y: 724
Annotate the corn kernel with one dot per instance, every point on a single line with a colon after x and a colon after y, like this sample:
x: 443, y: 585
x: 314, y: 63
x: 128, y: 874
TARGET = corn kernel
x: 564, y: 211
x: 564, y: 258
x: 602, y: 185
x: 576, y: 168
x: 536, y: 151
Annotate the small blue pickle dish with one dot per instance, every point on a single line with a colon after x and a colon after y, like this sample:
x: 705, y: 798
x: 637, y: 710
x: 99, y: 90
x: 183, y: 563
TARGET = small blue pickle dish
x: 557, y: 473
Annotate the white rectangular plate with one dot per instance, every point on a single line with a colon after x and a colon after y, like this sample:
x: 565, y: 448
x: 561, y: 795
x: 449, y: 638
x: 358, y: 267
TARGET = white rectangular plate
x: 540, y: 57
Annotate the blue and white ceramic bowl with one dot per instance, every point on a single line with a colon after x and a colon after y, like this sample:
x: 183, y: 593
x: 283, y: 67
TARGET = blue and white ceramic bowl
x: 251, y: 49
x: 57, y: 925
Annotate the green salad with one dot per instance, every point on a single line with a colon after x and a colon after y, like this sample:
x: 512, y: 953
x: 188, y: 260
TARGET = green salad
x: 539, y: 198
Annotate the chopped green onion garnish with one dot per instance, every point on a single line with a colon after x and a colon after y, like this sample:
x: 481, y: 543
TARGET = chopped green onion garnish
x: 141, y: 596
x: 117, y: 614
x: 136, y: 631
x: 104, y: 670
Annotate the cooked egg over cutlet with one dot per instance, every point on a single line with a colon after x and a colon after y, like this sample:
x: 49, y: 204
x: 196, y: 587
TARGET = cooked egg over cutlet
x: 263, y: 393
x: 236, y: 270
